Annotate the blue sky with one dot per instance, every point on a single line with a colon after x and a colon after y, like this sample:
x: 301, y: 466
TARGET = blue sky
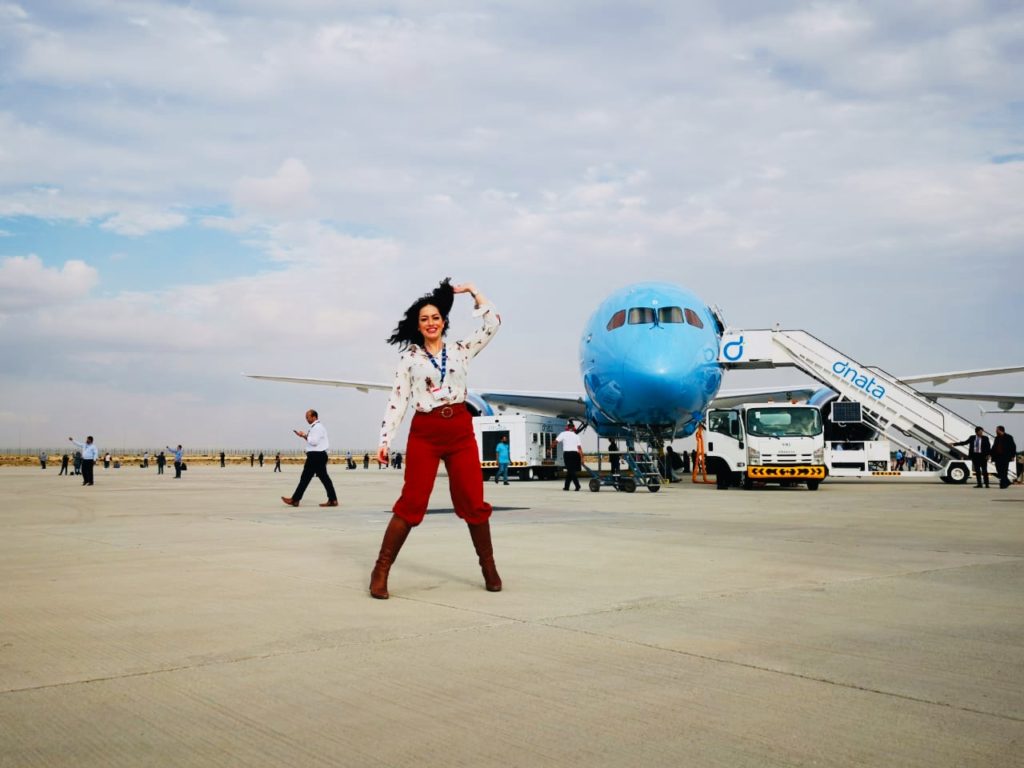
x: 191, y: 191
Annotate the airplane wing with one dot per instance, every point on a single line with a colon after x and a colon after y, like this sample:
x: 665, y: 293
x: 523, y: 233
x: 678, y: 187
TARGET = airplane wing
x: 362, y: 386
x: 942, y: 378
x: 559, y: 404
x: 727, y: 398
x: 1004, y: 401
x: 563, y: 405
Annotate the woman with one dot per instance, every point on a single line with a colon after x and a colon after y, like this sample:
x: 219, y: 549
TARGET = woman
x: 432, y: 376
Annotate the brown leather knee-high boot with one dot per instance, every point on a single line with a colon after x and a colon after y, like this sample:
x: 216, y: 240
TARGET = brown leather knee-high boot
x: 394, y: 538
x: 481, y: 535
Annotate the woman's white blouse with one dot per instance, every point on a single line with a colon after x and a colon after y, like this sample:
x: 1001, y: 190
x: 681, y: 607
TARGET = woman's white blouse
x: 416, y: 376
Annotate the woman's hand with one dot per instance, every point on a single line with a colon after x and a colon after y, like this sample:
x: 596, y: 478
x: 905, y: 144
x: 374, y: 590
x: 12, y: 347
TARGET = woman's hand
x: 382, y: 455
x: 465, y: 288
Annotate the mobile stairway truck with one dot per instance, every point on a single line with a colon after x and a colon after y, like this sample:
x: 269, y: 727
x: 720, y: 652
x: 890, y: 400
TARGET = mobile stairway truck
x: 759, y: 443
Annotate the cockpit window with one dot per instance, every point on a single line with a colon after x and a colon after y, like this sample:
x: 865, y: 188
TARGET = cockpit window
x: 670, y: 315
x: 641, y: 316
x: 618, y: 320
x: 693, y: 318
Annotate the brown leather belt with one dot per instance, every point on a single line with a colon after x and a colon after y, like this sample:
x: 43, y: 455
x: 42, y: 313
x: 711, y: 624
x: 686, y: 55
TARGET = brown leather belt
x: 445, y: 411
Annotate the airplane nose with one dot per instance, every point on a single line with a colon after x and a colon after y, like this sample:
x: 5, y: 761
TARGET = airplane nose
x: 668, y: 388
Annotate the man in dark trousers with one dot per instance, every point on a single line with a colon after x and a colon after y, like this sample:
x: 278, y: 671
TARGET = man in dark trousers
x: 978, y: 450
x: 572, y: 455
x: 316, y: 462
x: 1004, y: 450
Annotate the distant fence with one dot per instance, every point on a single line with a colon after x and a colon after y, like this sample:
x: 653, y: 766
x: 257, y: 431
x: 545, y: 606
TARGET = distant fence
x: 228, y: 452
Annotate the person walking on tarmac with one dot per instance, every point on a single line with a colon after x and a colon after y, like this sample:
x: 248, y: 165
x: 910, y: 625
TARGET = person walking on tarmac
x: 501, y: 454
x: 1004, y: 450
x: 572, y: 455
x: 89, y: 455
x: 316, y: 462
x: 432, y: 376
x: 978, y: 450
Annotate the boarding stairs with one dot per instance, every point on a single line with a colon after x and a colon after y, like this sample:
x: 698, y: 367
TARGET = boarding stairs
x: 886, y: 402
x: 643, y: 464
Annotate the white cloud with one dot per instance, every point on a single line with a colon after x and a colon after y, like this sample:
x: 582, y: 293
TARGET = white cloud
x: 135, y: 222
x: 26, y: 284
x: 283, y: 195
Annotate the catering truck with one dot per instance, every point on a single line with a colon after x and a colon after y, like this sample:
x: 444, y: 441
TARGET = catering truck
x: 533, y: 452
x: 765, y: 443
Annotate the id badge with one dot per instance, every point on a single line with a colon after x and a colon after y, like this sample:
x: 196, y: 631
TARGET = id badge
x: 441, y: 394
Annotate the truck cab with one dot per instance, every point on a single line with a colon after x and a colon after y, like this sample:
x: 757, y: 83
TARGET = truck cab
x: 760, y: 443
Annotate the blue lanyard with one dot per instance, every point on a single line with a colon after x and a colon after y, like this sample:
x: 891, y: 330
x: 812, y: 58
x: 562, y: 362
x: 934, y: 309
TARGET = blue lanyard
x: 443, y: 367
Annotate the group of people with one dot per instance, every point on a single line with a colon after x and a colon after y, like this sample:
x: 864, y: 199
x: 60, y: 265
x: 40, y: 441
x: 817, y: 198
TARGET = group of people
x: 1002, y: 450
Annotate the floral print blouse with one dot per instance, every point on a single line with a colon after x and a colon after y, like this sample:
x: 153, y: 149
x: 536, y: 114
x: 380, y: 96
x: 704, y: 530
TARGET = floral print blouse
x: 416, y: 375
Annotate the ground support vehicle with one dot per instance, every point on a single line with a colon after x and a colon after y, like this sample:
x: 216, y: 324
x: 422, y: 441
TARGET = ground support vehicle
x: 758, y: 443
x: 533, y: 452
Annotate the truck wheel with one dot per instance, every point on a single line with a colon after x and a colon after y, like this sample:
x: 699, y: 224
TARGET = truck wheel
x: 958, y: 473
x: 627, y: 484
x: 654, y: 487
x: 747, y: 482
x: 812, y: 485
x: 594, y: 484
x: 723, y: 479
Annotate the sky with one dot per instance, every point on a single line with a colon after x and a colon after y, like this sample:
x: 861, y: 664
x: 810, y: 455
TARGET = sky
x: 189, y: 191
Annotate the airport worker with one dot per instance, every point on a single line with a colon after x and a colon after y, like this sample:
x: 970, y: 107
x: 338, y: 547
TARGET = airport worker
x: 277, y: 462
x: 161, y: 461
x: 978, y: 450
x: 1004, y: 450
x: 106, y: 460
x: 42, y: 459
x: 89, y: 456
x: 260, y: 459
x: 317, y: 446
x: 77, y: 462
x: 431, y: 375
x: 63, y: 465
x: 501, y: 451
x: 222, y: 459
x: 572, y: 455
x: 177, y: 461
x: 366, y: 461
x: 613, y: 456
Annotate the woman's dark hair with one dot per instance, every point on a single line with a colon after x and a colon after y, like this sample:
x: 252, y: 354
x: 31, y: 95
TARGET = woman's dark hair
x: 408, y: 329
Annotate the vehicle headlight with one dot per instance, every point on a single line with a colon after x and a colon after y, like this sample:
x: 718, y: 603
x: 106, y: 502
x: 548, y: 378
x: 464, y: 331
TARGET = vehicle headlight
x: 819, y: 456
x: 754, y: 455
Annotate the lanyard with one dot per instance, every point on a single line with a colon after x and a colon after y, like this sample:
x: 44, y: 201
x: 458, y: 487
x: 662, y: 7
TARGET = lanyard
x: 443, y: 367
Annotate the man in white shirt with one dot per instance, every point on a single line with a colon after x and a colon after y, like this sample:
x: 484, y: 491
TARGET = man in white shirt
x: 89, y: 454
x: 316, y: 462
x: 572, y: 455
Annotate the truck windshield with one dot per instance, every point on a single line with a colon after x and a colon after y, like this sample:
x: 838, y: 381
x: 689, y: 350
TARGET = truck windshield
x: 784, y: 422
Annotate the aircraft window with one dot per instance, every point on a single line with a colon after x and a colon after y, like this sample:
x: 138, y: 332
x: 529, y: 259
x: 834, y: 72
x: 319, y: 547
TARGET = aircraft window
x: 670, y: 315
x: 618, y: 320
x: 641, y: 316
x: 693, y: 318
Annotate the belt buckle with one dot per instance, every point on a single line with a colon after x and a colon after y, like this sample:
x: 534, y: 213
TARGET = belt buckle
x: 447, y: 412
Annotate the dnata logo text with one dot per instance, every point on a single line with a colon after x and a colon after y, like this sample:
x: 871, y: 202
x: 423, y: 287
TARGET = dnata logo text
x: 858, y: 379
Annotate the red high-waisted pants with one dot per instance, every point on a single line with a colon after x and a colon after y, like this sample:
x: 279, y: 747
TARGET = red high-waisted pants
x: 445, y: 433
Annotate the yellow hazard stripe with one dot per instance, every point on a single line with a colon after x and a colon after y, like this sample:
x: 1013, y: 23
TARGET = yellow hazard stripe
x: 887, y: 474
x: 494, y: 464
x: 787, y: 472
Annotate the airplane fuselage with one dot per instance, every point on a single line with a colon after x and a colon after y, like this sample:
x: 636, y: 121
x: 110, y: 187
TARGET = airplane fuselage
x: 649, y: 359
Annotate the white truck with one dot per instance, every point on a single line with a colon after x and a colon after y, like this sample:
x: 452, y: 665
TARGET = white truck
x: 533, y: 452
x: 765, y: 443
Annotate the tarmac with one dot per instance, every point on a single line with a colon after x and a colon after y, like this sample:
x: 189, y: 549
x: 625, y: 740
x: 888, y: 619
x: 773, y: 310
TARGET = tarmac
x: 148, y: 621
